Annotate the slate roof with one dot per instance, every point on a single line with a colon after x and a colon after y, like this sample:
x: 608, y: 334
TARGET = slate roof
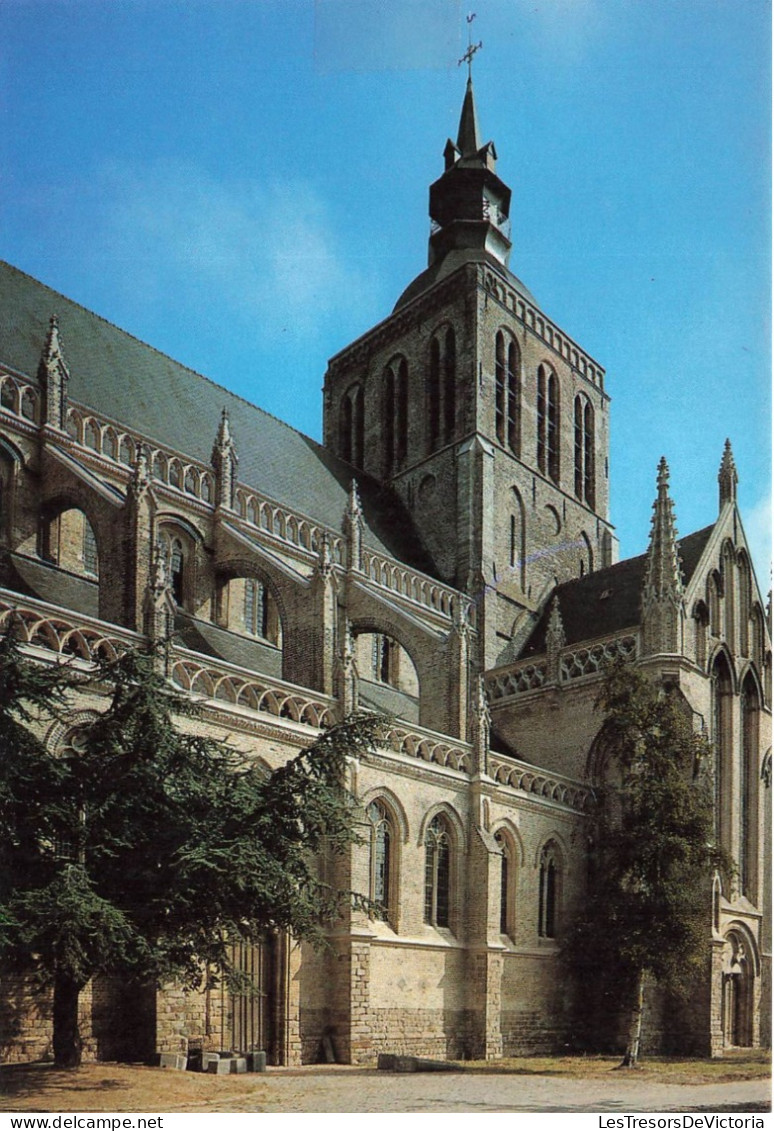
x: 608, y: 601
x: 126, y: 380
x: 55, y: 586
x: 209, y: 640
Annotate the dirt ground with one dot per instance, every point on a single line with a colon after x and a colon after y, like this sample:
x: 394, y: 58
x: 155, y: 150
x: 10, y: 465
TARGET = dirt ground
x: 594, y: 1086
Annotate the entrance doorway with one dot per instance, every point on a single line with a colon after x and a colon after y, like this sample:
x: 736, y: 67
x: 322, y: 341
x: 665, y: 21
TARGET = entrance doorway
x: 248, y: 1023
x: 737, y: 993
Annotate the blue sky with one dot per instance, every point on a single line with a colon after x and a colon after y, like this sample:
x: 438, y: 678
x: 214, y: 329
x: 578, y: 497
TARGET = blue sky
x: 243, y: 184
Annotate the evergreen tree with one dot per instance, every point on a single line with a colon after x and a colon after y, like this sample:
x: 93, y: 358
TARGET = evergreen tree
x: 149, y: 849
x: 652, y: 857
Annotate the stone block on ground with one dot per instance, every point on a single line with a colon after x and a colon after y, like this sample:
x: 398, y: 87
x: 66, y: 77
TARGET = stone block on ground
x: 176, y: 1060
x: 389, y: 1062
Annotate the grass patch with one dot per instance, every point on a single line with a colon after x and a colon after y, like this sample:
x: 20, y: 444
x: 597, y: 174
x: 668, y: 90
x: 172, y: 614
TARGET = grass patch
x: 741, y: 1064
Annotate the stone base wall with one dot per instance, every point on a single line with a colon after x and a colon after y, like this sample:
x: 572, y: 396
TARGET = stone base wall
x: 435, y: 1033
x: 25, y: 1021
x: 530, y: 1033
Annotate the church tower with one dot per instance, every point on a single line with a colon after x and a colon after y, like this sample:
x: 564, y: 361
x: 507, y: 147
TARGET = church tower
x: 487, y: 419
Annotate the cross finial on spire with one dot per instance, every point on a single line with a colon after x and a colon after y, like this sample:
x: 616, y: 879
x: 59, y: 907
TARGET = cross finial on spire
x: 472, y: 47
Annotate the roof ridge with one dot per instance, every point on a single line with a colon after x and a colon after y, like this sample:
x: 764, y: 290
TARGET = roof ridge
x: 158, y: 352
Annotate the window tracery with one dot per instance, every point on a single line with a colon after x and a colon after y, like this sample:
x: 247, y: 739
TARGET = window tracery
x: 438, y: 873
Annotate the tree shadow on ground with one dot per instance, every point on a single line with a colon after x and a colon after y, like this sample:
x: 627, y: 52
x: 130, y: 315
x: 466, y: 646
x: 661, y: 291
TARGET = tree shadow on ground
x: 34, y: 1079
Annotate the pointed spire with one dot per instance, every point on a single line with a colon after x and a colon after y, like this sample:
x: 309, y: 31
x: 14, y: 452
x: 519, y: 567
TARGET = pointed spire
x: 353, y: 528
x: 224, y: 459
x: 354, y: 509
x: 53, y: 347
x: 727, y: 477
x: 482, y: 725
x: 555, y: 640
x: 468, y: 142
x: 224, y: 431
x: 140, y: 481
x: 662, y: 591
x: 54, y: 375
x: 555, y: 633
x: 324, y: 564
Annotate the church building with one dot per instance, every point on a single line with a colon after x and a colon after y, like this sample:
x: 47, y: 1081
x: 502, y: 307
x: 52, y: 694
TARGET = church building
x: 447, y: 556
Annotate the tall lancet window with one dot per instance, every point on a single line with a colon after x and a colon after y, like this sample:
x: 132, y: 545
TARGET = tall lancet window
x: 437, y: 873
x: 507, y: 392
x: 584, y: 450
x: 549, y: 892
x: 380, y: 856
x: 401, y: 412
x: 548, y: 422
x: 352, y: 426
x: 513, y: 399
x: 748, y: 790
x: 434, y: 394
x: 442, y: 389
x: 388, y: 407
x: 449, y: 386
x: 500, y: 388
x: 552, y: 427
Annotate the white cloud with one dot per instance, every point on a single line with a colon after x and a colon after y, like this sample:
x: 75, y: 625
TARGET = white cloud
x: 757, y: 527
x: 267, y: 250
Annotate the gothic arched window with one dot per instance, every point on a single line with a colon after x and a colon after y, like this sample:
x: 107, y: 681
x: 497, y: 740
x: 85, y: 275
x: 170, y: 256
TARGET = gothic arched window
x: 67, y: 540
x: 548, y: 422
x: 256, y: 607
x: 518, y: 539
x: 176, y: 570
x: 358, y: 426
x: 450, y: 386
x: 352, y: 426
x: 748, y: 790
x: 438, y: 873
x: 500, y: 388
x: 728, y: 569
x: 745, y: 595
x: 584, y: 450
x: 507, y: 885
x: 381, y: 841
x: 714, y: 593
x: 388, y: 408
x: 701, y: 621
x: 401, y: 412
x: 507, y: 393
x: 442, y: 389
x: 722, y: 689
x: 434, y: 393
x: 395, y: 410
x: 548, y: 892
x: 513, y: 399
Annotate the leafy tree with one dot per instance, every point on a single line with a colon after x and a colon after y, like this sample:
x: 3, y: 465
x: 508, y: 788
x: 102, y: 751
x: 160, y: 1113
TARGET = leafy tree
x: 150, y: 849
x: 652, y: 855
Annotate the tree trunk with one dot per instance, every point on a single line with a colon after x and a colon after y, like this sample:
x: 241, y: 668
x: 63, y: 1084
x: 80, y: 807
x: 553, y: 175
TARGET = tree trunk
x: 632, y: 1054
x: 68, y: 1045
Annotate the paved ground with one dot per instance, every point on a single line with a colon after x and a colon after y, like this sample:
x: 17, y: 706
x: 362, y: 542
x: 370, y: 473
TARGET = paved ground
x: 442, y: 1092
x: 121, y: 1088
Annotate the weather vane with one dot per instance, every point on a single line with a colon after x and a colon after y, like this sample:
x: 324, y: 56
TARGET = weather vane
x: 472, y: 47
